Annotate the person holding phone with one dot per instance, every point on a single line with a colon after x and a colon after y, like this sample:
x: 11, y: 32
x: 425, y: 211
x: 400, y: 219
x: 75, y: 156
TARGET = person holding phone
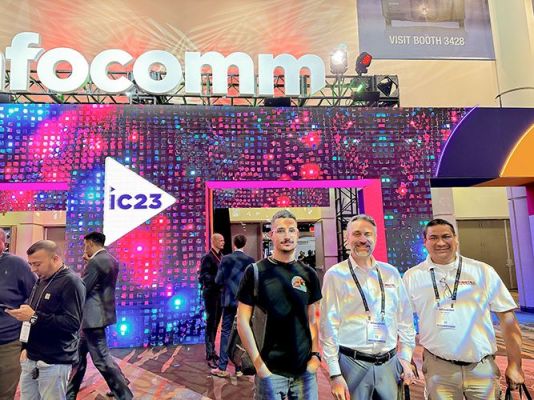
x: 16, y: 282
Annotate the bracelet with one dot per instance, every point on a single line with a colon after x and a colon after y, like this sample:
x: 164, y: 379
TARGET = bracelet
x: 334, y: 376
x: 316, y: 354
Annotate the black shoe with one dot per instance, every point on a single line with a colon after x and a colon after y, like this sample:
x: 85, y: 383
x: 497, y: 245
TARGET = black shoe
x: 213, y: 364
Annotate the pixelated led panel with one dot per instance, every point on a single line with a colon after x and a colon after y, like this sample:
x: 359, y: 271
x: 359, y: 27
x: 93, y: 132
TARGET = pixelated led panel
x: 249, y: 198
x: 31, y: 200
x: 179, y: 148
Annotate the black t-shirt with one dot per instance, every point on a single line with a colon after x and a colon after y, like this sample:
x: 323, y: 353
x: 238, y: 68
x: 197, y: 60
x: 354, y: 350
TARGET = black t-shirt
x: 284, y: 293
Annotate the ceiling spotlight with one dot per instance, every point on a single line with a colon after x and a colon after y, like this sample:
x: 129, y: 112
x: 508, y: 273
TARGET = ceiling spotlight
x: 362, y: 63
x: 338, y: 61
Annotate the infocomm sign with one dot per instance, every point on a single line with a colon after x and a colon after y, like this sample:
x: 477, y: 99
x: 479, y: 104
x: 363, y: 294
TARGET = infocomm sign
x: 25, y: 49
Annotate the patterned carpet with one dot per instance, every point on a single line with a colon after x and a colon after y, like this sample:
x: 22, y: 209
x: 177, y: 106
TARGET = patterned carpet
x: 180, y: 372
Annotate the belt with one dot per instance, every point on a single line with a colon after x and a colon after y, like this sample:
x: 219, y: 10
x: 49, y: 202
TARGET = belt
x: 376, y: 359
x: 457, y: 362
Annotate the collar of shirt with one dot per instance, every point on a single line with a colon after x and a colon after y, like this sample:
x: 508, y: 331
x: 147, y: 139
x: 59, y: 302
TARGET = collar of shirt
x: 442, y: 267
x: 96, y: 252
x: 355, y: 264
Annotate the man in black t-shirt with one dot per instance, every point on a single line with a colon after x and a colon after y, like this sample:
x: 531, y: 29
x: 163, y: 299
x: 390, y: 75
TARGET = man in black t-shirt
x: 288, y: 292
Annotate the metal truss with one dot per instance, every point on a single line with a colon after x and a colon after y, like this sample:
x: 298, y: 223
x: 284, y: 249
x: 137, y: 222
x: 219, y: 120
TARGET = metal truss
x: 347, y: 206
x: 340, y: 90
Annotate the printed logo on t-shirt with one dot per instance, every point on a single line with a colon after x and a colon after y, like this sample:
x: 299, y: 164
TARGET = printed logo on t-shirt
x: 47, y: 296
x: 298, y: 283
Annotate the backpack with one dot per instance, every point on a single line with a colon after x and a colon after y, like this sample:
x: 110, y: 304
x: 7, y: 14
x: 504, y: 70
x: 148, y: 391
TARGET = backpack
x: 236, y: 352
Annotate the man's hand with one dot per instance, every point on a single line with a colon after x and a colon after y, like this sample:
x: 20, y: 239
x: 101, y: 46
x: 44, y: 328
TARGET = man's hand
x: 313, y: 365
x: 24, y: 313
x: 339, y: 388
x: 408, y: 375
x: 514, y: 376
x: 263, y: 372
x: 23, y: 355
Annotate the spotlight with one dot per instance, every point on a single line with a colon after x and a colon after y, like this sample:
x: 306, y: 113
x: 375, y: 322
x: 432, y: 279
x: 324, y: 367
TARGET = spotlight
x: 361, y: 84
x: 338, y: 61
x: 362, y: 63
x: 386, y: 85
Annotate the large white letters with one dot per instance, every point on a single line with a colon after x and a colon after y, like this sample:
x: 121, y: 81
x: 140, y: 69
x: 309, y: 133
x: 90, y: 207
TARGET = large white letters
x: 46, y: 69
x: 99, y: 71
x: 24, y: 50
x: 20, y: 54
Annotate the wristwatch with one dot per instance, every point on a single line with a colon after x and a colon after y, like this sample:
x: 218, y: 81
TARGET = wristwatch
x: 317, y: 354
x: 33, y: 319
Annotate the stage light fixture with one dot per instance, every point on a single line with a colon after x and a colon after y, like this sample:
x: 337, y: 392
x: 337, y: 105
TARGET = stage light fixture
x: 387, y: 86
x: 363, y: 62
x: 277, y: 102
x: 339, y: 61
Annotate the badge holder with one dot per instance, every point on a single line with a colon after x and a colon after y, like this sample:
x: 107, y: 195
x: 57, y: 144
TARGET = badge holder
x: 446, y: 317
x: 377, y: 331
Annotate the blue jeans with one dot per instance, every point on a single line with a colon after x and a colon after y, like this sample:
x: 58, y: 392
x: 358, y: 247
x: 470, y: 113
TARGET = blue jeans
x: 278, y: 387
x: 50, y: 385
x: 227, y: 322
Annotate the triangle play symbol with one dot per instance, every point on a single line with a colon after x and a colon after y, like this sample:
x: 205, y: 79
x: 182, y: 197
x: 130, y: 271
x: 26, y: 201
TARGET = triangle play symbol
x: 129, y: 200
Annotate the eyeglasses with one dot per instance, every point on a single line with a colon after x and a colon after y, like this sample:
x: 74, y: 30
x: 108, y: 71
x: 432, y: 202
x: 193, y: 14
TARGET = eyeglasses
x: 447, y: 292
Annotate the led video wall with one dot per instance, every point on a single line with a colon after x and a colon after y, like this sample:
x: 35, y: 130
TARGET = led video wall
x: 180, y: 148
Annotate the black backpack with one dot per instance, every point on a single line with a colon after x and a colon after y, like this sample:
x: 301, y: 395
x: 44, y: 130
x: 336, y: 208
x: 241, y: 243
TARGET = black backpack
x: 236, y: 352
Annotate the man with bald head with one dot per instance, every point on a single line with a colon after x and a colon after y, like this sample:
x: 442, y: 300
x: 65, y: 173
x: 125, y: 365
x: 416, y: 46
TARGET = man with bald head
x: 51, y: 320
x: 211, y: 292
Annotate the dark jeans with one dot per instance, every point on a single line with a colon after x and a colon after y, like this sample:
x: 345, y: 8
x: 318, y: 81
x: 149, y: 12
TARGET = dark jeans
x: 212, y: 304
x: 94, y: 341
x: 227, y: 322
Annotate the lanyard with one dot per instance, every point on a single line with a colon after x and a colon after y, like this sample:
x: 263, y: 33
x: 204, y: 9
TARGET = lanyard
x: 456, y: 282
x: 216, y: 256
x: 42, y: 291
x: 362, y: 294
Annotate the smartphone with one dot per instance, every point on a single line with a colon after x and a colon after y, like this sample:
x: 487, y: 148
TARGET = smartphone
x: 6, y: 307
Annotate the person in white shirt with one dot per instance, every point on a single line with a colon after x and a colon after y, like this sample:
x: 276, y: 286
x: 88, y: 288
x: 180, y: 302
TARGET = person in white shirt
x: 365, y: 314
x: 453, y: 296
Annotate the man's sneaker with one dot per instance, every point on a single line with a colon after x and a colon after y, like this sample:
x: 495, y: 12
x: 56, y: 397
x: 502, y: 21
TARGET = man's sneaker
x: 220, y: 373
x: 238, y: 373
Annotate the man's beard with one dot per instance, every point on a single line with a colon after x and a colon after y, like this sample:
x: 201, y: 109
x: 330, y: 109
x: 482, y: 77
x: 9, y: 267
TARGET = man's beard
x: 363, y: 253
